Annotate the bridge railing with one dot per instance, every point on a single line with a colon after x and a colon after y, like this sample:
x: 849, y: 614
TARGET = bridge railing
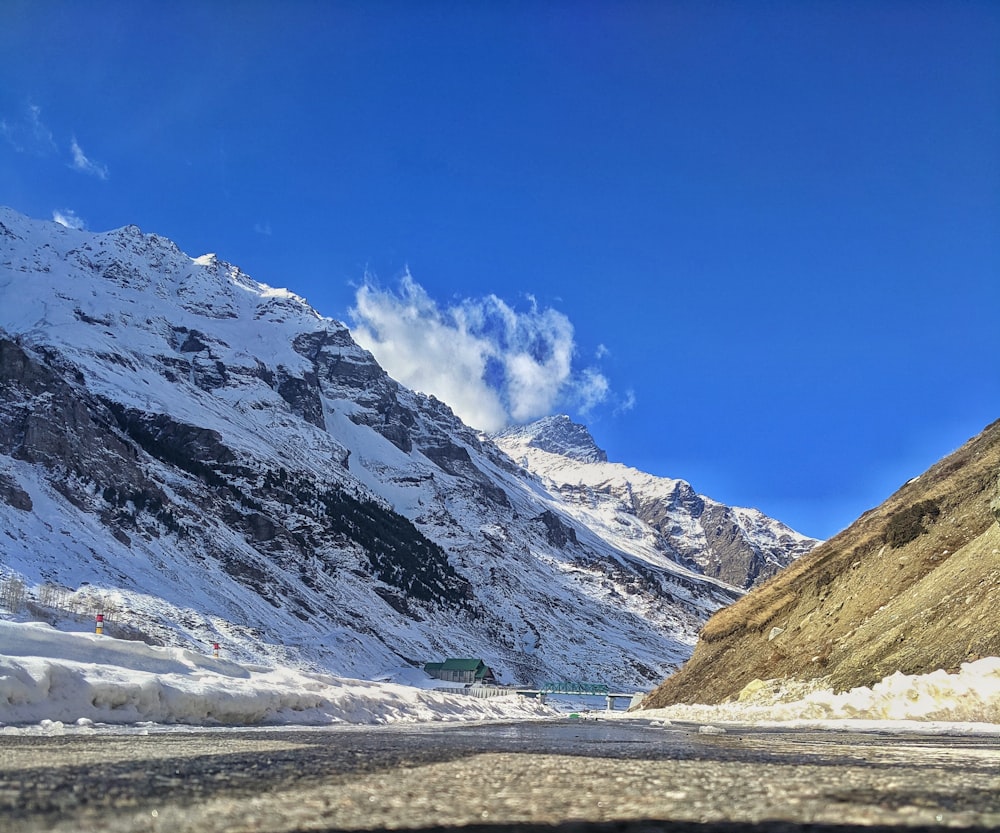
x: 573, y: 687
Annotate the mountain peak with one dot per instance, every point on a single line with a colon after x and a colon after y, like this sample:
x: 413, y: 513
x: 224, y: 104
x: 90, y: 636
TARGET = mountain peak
x: 558, y: 434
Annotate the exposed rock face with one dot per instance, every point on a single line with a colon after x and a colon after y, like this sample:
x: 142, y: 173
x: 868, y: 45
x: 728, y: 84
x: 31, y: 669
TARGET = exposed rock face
x: 557, y: 533
x: 50, y: 420
x: 560, y: 435
x: 731, y: 556
x: 911, y: 586
x: 14, y: 495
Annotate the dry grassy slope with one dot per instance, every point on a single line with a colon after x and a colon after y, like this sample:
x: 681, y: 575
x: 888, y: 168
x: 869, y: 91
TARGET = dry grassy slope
x: 869, y: 602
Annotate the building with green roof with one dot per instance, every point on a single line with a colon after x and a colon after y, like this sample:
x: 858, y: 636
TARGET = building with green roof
x: 461, y: 670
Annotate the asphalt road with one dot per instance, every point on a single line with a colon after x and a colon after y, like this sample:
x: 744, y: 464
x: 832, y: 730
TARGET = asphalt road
x: 568, y: 775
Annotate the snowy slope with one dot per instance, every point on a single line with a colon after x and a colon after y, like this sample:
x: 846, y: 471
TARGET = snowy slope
x: 210, y: 459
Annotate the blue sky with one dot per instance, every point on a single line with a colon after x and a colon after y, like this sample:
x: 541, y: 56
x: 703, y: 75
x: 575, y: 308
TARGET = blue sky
x: 753, y: 245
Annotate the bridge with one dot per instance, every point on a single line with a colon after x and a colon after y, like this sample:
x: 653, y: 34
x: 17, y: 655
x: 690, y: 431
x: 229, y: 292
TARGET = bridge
x: 576, y: 688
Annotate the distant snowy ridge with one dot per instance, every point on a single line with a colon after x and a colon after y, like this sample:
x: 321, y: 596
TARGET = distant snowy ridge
x: 654, y: 517
x: 215, y: 461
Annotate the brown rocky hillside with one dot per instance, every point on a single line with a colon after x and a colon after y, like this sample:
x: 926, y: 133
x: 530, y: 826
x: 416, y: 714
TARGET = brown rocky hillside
x: 911, y: 586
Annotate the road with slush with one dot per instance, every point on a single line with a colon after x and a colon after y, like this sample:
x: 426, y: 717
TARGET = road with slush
x: 565, y: 775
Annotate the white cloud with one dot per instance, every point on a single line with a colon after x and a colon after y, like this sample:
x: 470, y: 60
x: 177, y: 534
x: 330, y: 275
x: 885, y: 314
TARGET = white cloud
x: 592, y: 389
x: 84, y: 165
x: 69, y: 218
x: 427, y: 349
x: 263, y: 228
x: 491, y: 363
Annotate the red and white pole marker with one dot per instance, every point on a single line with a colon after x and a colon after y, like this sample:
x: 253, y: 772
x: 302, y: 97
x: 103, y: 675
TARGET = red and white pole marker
x: 100, y: 623
x: 215, y: 649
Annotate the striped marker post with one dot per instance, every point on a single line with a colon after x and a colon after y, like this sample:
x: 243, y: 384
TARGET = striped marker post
x: 215, y: 649
x: 100, y: 624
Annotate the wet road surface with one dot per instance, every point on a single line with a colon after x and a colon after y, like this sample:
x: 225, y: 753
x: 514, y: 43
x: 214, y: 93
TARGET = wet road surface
x: 565, y: 775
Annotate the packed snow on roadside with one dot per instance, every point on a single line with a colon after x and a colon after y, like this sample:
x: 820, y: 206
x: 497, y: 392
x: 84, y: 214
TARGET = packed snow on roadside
x: 965, y: 702
x: 55, y: 681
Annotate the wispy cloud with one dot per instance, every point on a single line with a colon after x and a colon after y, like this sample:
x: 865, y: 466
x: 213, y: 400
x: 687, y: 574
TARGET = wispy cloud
x: 85, y: 165
x: 263, y: 228
x: 626, y: 404
x: 491, y: 363
x: 69, y: 218
x: 27, y: 133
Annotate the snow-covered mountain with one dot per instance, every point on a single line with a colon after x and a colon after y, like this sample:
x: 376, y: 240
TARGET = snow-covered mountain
x: 651, y: 517
x: 208, y: 459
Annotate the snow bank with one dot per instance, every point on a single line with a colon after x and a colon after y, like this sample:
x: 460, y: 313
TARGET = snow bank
x: 53, y: 678
x: 49, y: 678
x: 971, y: 696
